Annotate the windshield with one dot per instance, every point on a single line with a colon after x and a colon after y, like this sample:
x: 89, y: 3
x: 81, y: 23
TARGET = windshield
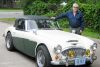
x: 41, y: 24
x: 47, y: 24
x: 31, y: 24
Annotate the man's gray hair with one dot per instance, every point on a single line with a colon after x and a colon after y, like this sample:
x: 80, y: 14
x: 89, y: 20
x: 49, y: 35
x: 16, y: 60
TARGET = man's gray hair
x: 75, y: 5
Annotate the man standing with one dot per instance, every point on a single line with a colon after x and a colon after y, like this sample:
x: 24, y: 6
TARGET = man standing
x: 75, y: 18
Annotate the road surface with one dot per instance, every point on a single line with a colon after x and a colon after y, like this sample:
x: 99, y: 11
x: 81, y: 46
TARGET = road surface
x: 17, y: 59
x: 12, y: 14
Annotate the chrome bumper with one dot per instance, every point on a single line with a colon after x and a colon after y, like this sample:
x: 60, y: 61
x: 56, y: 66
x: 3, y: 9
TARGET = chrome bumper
x: 72, y: 61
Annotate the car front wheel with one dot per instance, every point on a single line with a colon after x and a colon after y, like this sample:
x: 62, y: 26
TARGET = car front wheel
x: 43, y: 57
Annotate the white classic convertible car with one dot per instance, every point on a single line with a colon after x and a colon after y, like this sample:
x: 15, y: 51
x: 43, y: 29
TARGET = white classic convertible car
x: 42, y: 38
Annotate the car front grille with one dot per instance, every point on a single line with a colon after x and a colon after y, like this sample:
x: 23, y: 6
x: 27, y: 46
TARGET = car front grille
x: 78, y: 52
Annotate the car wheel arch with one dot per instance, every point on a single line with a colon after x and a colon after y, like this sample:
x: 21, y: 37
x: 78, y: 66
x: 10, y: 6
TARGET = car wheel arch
x: 41, y: 44
x: 7, y: 33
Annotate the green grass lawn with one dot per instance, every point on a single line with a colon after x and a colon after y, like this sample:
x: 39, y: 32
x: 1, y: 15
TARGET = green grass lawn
x: 87, y: 32
x: 9, y: 10
x: 7, y: 20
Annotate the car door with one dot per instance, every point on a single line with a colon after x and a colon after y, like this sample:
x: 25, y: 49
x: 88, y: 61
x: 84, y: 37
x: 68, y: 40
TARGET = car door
x: 30, y: 38
x: 18, y: 34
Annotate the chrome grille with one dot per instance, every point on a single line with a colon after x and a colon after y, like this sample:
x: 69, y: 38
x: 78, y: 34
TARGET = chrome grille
x: 78, y: 51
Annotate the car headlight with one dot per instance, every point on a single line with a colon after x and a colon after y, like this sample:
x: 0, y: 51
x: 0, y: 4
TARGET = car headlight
x: 88, y: 52
x: 58, y: 49
x: 71, y: 54
x: 94, y: 46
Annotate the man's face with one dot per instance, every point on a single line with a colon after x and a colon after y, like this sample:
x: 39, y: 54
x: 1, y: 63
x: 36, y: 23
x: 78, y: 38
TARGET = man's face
x: 75, y: 8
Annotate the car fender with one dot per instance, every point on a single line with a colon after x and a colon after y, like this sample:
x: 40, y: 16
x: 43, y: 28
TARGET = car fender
x: 49, y: 48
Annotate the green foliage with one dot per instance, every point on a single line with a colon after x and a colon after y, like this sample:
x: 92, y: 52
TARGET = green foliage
x: 91, y: 15
x: 54, y: 1
x: 40, y: 8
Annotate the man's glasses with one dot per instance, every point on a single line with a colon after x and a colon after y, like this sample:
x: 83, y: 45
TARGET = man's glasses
x: 75, y: 7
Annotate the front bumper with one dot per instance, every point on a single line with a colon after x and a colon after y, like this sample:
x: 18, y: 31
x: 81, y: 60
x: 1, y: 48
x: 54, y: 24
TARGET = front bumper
x: 68, y: 62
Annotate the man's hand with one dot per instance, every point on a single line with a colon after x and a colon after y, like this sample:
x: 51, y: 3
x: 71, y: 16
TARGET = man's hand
x: 81, y: 31
x: 53, y: 18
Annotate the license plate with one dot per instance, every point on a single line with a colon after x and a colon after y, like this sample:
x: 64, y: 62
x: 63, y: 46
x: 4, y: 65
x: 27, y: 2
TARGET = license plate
x: 80, y: 61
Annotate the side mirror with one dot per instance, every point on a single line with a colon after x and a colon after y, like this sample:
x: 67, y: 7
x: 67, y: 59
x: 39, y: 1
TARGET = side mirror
x: 35, y: 31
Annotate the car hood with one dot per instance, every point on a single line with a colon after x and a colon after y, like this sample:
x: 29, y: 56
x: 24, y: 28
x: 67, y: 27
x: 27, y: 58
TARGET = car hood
x: 65, y: 39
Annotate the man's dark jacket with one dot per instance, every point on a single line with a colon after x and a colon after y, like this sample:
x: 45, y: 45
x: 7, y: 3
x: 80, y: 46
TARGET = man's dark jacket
x: 74, y: 21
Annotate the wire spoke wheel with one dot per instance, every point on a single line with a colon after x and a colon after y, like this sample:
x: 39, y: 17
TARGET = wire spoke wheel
x: 40, y: 58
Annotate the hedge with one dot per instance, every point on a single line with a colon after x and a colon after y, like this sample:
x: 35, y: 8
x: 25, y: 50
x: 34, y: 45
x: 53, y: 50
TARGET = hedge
x: 91, y: 15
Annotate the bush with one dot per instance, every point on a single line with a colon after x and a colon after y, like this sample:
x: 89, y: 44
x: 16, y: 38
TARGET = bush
x: 91, y: 15
x: 39, y: 8
x: 36, y: 7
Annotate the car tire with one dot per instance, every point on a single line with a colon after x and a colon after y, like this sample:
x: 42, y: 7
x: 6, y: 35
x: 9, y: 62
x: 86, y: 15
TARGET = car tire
x: 43, y: 57
x: 9, y: 42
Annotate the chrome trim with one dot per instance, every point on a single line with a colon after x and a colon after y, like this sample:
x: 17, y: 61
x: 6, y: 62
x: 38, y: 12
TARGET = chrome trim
x: 74, y: 46
x: 69, y: 61
x: 61, y: 62
x: 78, y: 52
x: 94, y: 57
